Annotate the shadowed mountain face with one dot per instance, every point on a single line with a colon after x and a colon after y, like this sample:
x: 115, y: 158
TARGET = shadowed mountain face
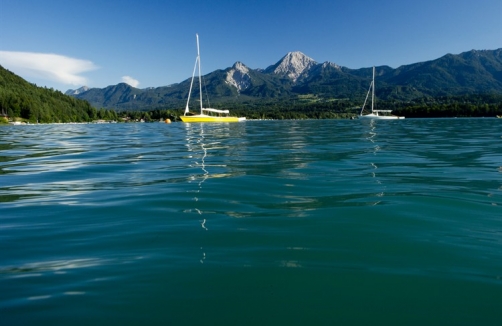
x: 297, y: 74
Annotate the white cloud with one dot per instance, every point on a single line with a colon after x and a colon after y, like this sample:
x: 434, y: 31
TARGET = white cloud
x: 131, y: 81
x: 47, y: 66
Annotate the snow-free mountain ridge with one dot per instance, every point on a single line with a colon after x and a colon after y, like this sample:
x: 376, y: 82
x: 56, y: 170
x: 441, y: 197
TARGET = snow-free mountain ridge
x: 476, y: 71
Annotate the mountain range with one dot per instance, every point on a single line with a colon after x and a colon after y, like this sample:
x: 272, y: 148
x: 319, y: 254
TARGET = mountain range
x: 472, y: 72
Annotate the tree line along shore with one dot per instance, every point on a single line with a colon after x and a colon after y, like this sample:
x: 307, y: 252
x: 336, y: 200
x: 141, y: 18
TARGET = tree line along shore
x: 49, y: 106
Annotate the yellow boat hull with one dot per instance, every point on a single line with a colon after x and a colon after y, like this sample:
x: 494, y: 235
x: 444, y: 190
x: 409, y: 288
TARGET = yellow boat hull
x: 208, y: 118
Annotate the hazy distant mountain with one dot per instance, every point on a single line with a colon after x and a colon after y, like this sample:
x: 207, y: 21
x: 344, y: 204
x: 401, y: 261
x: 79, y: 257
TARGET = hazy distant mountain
x: 296, y: 74
x: 77, y: 91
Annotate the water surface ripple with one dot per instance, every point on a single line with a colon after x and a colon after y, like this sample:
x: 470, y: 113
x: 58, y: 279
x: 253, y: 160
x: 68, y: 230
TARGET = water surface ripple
x: 264, y: 222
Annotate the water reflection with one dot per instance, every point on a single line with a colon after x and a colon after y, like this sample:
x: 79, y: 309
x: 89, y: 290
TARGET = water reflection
x: 198, y: 152
x: 197, y: 145
x: 372, y: 137
x: 55, y: 266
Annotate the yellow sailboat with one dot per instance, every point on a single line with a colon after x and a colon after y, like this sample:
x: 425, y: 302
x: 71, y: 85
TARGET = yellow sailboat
x: 205, y: 114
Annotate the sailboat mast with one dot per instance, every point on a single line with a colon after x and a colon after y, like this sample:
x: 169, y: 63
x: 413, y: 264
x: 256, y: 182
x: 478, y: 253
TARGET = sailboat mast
x: 373, y: 90
x: 197, y: 62
x: 200, y: 79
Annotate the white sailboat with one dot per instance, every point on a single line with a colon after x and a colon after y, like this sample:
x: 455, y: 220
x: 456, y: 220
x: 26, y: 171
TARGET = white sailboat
x: 214, y: 115
x: 375, y: 114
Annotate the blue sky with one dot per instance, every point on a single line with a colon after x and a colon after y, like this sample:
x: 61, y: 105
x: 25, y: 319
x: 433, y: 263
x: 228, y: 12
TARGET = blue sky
x: 151, y: 43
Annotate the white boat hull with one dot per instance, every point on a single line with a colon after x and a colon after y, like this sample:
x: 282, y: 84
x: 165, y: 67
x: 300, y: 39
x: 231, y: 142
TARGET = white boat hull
x: 380, y: 117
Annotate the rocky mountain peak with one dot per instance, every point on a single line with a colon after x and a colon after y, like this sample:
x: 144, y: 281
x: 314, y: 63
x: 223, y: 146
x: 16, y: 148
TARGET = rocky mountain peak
x: 292, y: 65
x: 239, y: 66
x: 238, y: 76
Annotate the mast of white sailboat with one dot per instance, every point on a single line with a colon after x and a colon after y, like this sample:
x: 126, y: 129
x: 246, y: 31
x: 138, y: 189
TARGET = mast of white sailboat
x: 200, y: 79
x: 373, y: 90
x: 193, y: 76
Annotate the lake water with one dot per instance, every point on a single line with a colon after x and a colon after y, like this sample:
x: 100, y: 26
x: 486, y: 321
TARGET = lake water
x: 315, y: 222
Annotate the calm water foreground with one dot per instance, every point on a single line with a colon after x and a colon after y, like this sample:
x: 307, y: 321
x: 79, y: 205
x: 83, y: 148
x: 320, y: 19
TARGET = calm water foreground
x: 258, y: 223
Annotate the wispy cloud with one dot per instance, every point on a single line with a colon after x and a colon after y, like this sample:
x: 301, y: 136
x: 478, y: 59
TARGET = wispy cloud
x: 47, y: 66
x: 131, y: 81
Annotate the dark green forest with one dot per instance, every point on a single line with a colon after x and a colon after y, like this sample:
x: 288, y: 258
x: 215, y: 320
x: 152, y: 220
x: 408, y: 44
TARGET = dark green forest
x: 472, y: 105
x: 20, y: 99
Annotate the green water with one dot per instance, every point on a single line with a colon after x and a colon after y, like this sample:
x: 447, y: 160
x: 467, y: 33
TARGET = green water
x: 258, y: 223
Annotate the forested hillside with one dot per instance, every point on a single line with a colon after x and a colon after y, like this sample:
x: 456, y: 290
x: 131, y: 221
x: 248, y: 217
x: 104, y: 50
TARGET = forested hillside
x: 20, y: 99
